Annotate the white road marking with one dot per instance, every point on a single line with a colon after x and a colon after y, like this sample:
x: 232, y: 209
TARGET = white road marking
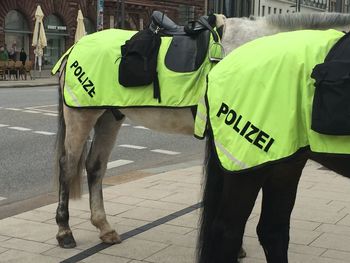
x: 42, y: 106
x: 132, y: 146
x: 4, y: 125
x: 20, y: 128
x: 14, y: 109
x: 125, y: 125
x: 2, y: 198
x: 44, y: 133
x: 51, y: 114
x: 141, y: 127
x: 165, y: 152
x: 31, y: 111
x: 118, y: 163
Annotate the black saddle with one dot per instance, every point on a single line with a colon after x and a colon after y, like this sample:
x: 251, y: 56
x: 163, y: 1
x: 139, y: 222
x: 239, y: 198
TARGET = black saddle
x: 190, y: 43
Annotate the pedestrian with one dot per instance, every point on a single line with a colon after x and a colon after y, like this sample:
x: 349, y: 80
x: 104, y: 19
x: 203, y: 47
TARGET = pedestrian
x: 3, y: 54
x: 23, y: 56
x: 12, y: 54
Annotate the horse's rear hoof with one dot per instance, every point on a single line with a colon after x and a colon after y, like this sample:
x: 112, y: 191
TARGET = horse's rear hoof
x: 242, y: 253
x: 66, y: 241
x: 111, y: 237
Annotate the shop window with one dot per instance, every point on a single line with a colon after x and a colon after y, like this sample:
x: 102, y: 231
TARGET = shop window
x: 17, y: 34
x: 56, y: 33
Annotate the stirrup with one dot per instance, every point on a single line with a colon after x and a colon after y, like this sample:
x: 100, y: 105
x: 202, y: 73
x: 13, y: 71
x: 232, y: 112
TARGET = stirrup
x: 212, y: 55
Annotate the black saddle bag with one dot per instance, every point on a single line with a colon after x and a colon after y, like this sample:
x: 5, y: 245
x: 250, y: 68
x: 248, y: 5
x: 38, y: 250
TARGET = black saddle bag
x: 138, y: 66
x: 331, y: 104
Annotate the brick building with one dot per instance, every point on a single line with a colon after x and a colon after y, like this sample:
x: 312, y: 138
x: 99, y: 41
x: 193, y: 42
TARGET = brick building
x: 17, y: 19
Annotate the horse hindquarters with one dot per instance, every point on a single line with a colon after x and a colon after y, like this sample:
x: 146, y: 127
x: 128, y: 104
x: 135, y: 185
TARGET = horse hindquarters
x: 228, y: 200
x: 279, y: 194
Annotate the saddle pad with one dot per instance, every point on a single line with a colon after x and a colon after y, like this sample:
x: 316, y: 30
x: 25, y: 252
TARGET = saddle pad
x: 259, y: 100
x: 91, y: 78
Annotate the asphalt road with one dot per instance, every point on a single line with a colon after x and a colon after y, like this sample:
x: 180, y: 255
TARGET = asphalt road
x: 28, y: 124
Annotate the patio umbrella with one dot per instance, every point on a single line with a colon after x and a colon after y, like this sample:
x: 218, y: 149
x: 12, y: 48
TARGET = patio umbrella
x: 39, y: 37
x: 80, y: 32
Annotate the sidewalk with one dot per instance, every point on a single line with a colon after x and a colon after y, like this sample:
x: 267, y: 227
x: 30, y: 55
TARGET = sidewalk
x: 43, y: 78
x: 320, y: 227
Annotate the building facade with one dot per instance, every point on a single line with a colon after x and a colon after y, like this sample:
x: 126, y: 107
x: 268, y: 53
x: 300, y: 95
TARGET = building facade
x: 17, y: 18
x: 245, y: 8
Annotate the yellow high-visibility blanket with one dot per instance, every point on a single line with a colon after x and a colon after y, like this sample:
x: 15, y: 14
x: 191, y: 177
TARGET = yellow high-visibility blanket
x: 259, y: 100
x: 91, y: 78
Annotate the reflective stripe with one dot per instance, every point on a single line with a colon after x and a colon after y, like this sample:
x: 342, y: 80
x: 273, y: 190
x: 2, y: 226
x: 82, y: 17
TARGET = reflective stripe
x: 230, y: 156
x: 74, y: 98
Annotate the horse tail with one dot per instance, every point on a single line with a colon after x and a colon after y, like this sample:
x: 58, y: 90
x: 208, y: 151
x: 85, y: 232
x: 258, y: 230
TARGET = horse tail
x: 213, y: 183
x: 75, y: 187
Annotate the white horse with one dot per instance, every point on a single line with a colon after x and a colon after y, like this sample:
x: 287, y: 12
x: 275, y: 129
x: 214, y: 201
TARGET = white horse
x: 75, y: 124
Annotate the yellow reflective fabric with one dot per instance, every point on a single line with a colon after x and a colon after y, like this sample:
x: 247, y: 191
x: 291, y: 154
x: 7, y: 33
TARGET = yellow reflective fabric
x: 260, y: 98
x: 92, y: 76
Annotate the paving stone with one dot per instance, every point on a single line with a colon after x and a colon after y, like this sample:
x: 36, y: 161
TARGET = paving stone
x: 102, y: 258
x: 26, y: 245
x: 16, y: 256
x: 336, y: 254
x: 2, y: 249
x: 303, y: 237
x: 189, y: 198
x: 144, y: 213
x: 304, y: 249
x: 168, y: 238
x: 334, y: 229
x: 162, y: 205
x: 36, y: 215
x: 302, y: 258
x: 3, y: 238
x: 332, y: 241
x: 127, y: 200
x: 188, y: 220
x: 28, y: 230
x: 62, y: 253
x: 135, y: 249
x: 174, y: 254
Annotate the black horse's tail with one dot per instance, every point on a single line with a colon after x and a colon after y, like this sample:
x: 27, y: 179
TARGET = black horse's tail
x: 213, y: 183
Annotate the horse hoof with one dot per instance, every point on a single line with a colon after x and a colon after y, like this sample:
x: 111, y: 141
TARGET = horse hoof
x: 66, y: 241
x: 111, y: 237
x: 242, y: 253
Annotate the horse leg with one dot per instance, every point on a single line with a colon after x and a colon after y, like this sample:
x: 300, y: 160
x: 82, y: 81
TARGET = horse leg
x: 223, y: 242
x: 73, y: 133
x: 279, y: 193
x: 106, y: 130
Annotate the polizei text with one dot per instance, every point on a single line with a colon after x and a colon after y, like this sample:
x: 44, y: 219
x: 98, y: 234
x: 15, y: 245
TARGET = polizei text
x: 246, y: 129
x: 86, y: 83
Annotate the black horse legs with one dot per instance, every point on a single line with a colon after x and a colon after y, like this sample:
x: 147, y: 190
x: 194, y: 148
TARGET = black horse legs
x: 237, y: 201
x: 279, y: 193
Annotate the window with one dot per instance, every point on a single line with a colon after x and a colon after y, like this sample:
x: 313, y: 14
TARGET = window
x: 263, y: 10
x: 56, y: 32
x: 275, y: 10
x: 16, y: 33
x: 269, y: 8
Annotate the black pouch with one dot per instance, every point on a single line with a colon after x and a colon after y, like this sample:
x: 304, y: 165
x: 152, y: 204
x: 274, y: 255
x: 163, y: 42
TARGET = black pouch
x: 331, y: 105
x: 138, y: 66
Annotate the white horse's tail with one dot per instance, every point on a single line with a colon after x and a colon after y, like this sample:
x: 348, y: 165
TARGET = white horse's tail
x: 75, y: 187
